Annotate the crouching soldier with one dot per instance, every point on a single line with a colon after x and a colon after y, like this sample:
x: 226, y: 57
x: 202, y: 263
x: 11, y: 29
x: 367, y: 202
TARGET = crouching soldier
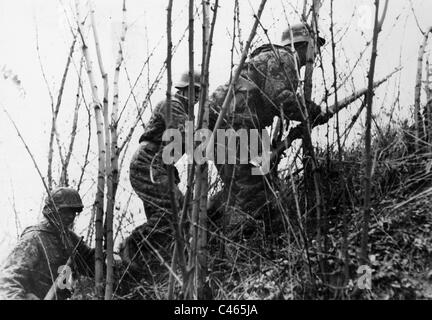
x: 43, y: 251
x: 267, y: 87
x: 148, y: 243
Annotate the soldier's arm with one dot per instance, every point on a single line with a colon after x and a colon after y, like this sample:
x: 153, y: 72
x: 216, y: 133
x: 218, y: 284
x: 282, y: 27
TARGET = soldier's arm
x: 178, y: 117
x: 284, y: 92
x: 293, y: 112
x: 276, y: 77
x: 84, y: 257
x: 18, y: 269
x: 315, y: 114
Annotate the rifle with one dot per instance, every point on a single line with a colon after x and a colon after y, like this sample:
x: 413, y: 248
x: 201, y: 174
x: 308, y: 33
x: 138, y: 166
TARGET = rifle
x: 297, y: 132
x: 52, y: 292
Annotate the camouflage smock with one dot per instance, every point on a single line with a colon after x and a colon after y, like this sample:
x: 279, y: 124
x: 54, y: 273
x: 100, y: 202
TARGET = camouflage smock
x: 32, y: 266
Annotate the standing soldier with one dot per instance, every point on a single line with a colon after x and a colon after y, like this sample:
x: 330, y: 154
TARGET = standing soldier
x: 42, y: 250
x: 267, y: 87
x: 149, y: 179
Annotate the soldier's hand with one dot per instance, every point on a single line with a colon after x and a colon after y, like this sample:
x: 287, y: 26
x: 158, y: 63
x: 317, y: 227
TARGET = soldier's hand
x: 31, y: 296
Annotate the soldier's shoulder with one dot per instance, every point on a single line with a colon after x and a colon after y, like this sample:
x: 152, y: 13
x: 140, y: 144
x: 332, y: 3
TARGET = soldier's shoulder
x: 31, y: 232
x: 270, y: 53
x: 175, y: 102
x: 31, y: 238
x: 159, y: 106
x: 27, y: 247
x: 40, y: 229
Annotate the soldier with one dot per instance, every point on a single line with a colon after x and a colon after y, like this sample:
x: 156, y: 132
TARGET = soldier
x: 149, y: 179
x: 33, y: 265
x: 266, y: 88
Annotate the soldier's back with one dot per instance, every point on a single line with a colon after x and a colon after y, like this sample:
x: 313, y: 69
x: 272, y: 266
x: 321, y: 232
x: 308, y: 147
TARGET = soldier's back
x: 157, y: 124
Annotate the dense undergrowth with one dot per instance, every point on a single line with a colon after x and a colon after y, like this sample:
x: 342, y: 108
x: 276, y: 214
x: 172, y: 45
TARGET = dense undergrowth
x: 287, y: 260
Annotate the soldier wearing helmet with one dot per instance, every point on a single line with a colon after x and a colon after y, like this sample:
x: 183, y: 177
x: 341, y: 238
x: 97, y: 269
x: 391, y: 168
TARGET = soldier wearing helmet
x: 298, y: 36
x: 32, y: 267
x: 267, y: 88
x: 149, y: 179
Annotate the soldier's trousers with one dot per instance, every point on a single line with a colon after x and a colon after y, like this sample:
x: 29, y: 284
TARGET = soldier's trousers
x: 241, y: 189
x: 149, y: 179
x: 247, y: 192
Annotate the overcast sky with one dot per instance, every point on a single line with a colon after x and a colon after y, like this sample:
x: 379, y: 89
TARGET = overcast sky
x: 22, y: 20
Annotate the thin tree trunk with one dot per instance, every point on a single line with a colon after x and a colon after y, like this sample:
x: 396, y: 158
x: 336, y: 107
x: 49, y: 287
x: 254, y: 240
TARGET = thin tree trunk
x: 188, y: 287
x: 113, y: 177
x: 342, y: 183
x: 203, y: 122
x: 202, y: 235
x: 174, y: 218
x: 99, y: 200
x: 311, y: 175
x: 368, y: 156
x: 199, y: 213
x: 428, y: 110
x: 419, y: 129
x: 105, y: 113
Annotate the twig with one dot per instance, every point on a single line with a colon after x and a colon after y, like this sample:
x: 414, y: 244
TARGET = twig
x: 42, y: 69
x: 368, y: 157
x: 86, y: 162
x: 55, y: 114
x: 64, y: 175
x: 65, y: 239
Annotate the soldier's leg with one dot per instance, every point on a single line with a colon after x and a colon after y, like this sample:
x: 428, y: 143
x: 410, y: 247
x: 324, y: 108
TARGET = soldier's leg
x: 240, y: 188
x: 256, y: 198
x: 149, y: 179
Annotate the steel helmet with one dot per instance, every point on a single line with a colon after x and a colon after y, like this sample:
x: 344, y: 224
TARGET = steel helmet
x: 65, y: 198
x: 184, y: 80
x: 300, y: 33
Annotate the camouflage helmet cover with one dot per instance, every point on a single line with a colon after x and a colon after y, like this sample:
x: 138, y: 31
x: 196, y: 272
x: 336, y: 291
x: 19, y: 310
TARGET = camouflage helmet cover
x: 184, y: 80
x: 300, y: 33
x: 65, y: 198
